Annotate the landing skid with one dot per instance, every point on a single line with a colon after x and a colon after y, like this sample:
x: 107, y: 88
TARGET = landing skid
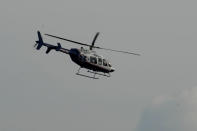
x: 86, y: 76
x: 93, y: 72
x: 99, y: 73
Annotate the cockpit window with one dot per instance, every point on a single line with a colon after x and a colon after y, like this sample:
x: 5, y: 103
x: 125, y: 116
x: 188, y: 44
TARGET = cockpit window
x: 99, y: 61
x: 104, y: 62
x: 93, y: 60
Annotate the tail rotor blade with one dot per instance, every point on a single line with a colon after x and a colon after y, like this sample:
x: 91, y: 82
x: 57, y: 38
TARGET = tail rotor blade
x: 35, y: 45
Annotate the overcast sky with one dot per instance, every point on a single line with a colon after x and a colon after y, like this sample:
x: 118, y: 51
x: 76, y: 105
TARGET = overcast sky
x: 40, y: 92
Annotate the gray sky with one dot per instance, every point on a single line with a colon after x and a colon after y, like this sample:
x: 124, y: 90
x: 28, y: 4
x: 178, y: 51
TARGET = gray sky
x: 40, y: 92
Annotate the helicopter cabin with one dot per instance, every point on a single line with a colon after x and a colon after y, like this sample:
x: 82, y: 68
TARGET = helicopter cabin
x: 93, y: 58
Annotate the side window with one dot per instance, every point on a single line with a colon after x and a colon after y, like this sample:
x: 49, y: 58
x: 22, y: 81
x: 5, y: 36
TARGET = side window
x: 99, y: 61
x: 88, y: 59
x: 104, y: 62
x: 93, y: 60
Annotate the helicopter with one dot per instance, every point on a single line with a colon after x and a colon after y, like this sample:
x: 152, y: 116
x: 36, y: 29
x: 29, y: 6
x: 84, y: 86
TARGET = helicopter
x: 85, y: 58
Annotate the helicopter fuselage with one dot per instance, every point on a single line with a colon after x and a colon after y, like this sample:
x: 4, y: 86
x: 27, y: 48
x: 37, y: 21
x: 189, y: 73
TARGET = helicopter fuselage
x: 90, y: 60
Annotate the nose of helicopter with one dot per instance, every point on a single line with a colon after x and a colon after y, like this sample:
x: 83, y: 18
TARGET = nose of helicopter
x: 112, y: 70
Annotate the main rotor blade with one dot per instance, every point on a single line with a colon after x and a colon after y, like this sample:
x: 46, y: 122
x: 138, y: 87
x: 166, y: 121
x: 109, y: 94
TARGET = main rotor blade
x: 94, y: 40
x: 79, y: 43
x: 117, y: 51
x: 92, y: 46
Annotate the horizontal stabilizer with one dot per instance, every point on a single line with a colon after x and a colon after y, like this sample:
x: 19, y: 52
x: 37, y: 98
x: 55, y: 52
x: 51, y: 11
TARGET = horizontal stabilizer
x: 48, y: 50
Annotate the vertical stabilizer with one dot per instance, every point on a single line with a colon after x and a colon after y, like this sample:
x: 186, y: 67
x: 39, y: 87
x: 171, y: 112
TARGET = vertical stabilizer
x: 40, y: 42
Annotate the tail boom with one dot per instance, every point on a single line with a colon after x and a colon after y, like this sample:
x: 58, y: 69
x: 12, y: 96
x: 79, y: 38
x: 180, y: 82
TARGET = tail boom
x: 40, y: 43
